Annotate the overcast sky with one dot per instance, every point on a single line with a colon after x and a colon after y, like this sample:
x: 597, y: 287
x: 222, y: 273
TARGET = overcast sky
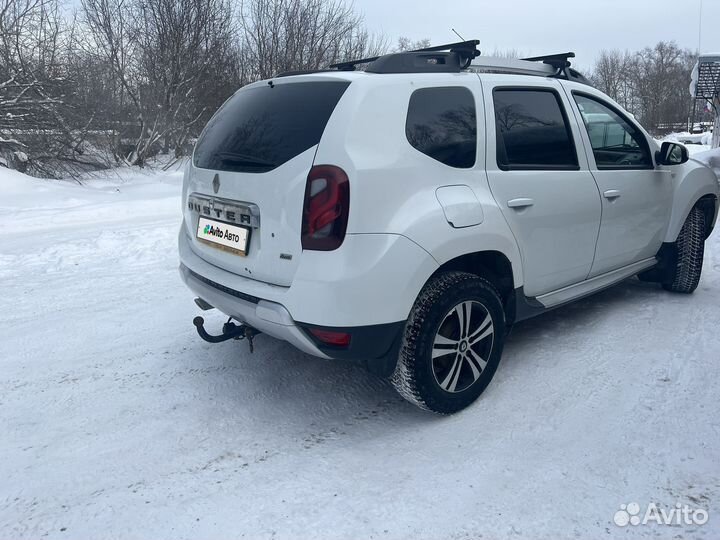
x: 535, y: 27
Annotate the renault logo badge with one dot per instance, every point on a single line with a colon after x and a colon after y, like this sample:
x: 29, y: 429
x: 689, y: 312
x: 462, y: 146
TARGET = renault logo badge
x: 216, y: 183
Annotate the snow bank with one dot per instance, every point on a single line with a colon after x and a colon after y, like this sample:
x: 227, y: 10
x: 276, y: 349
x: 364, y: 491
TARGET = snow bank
x: 11, y: 180
x: 686, y: 137
x: 15, y: 183
x: 19, y: 190
x: 115, y: 195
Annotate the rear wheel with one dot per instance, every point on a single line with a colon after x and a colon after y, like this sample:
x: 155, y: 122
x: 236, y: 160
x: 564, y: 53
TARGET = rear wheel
x: 685, y: 275
x: 452, y: 344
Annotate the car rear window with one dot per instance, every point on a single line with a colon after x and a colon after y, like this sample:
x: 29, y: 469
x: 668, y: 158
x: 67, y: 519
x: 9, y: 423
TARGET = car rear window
x: 261, y: 128
x: 441, y: 124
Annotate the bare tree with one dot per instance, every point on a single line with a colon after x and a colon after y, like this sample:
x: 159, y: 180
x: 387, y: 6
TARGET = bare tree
x: 113, y: 42
x: 28, y: 45
x: 407, y: 44
x: 614, y: 75
x: 662, y: 76
x: 39, y: 130
x: 125, y: 79
x: 651, y: 83
x: 161, y: 54
x: 291, y: 35
x: 182, y: 43
x: 505, y: 53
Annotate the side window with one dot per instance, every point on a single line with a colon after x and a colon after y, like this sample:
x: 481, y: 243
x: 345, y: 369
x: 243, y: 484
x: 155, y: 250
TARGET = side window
x: 532, y: 130
x: 441, y: 124
x: 616, y: 143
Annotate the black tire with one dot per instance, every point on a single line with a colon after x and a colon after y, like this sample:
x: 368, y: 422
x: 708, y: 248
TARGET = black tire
x: 690, y: 244
x: 452, y: 380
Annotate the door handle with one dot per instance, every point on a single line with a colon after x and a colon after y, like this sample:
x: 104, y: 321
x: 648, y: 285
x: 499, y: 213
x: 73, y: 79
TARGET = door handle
x: 522, y: 202
x: 611, y: 194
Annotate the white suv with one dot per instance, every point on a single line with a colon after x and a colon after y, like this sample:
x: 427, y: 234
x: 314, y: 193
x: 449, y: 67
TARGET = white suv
x: 407, y: 215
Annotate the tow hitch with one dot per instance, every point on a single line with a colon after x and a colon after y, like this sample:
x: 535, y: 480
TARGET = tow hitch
x: 230, y: 330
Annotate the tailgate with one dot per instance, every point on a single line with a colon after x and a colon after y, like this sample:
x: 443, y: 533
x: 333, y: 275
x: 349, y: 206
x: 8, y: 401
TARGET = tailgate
x: 249, y: 173
x: 268, y: 205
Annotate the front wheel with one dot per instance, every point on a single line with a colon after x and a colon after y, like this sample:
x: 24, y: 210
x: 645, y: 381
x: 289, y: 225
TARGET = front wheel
x: 452, y: 343
x: 685, y: 275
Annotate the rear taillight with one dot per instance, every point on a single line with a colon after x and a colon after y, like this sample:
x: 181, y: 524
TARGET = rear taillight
x: 326, y: 208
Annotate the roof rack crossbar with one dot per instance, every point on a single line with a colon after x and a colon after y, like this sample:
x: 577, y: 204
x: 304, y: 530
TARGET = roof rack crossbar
x: 552, y: 59
x: 469, y: 47
x: 467, y: 50
x: 559, y: 61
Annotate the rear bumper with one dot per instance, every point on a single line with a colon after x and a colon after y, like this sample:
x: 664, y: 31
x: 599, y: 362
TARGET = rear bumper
x: 366, y: 289
x: 377, y: 345
x: 270, y: 318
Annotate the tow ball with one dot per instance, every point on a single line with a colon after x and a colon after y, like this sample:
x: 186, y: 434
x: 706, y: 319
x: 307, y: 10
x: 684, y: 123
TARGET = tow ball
x: 230, y: 330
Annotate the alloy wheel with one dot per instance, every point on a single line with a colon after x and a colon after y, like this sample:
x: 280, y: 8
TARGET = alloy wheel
x: 462, y: 346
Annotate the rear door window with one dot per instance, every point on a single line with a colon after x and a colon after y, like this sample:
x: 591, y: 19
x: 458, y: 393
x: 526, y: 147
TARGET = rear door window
x: 261, y: 128
x: 532, y: 130
x: 441, y: 123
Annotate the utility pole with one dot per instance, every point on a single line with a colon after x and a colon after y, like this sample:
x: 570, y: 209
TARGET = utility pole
x: 700, y: 29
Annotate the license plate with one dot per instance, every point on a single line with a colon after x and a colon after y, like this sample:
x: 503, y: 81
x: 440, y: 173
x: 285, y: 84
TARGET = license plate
x: 224, y: 236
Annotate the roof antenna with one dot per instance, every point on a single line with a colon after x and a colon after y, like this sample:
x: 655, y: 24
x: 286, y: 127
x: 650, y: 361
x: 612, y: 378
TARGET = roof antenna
x: 458, y: 35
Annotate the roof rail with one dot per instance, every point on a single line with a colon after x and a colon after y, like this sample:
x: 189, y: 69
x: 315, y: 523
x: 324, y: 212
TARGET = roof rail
x: 301, y: 72
x: 552, y: 65
x: 511, y: 65
x: 451, y: 57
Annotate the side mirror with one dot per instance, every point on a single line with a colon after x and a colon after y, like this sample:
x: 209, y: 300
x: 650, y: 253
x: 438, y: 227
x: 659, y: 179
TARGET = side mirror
x: 671, y: 154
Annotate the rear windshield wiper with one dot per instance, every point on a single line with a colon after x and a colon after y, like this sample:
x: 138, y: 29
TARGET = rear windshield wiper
x: 243, y: 159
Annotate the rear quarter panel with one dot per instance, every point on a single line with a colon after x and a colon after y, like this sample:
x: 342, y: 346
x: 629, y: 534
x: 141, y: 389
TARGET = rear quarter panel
x: 393, y: 186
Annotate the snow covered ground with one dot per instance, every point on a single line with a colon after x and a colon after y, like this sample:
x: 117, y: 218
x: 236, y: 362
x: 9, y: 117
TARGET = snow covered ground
x: 691, y: 139
x: 117, y: 421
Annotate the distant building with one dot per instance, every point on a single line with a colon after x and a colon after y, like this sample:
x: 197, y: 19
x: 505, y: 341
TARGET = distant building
x: 705, y: 90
